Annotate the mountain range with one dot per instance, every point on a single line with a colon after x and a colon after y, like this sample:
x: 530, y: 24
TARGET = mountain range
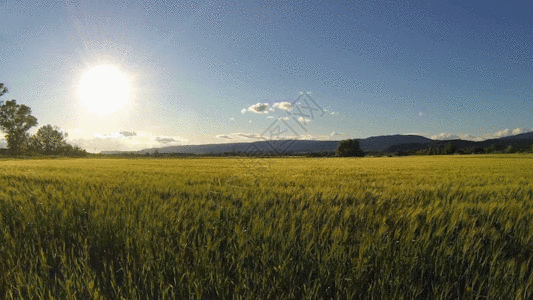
x: 387, y: 143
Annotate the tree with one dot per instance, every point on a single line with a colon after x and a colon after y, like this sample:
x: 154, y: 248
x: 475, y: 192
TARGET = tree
x: 450, y: 149
x: 509, y: 149
x: 3, y: 90
x: 48, y: 140
x: 349, y: 148
x: 15, y: 121
x: 75, y: 151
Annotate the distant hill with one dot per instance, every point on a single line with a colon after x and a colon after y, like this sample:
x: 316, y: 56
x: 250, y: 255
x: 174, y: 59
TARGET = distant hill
x: 285, y: 146
x: 522, y: 136
x: 386, y: 143
x: 382, y: 143
x: 378, y: 143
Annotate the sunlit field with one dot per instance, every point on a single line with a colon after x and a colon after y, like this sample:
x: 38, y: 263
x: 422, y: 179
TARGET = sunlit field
x: 438, y: 227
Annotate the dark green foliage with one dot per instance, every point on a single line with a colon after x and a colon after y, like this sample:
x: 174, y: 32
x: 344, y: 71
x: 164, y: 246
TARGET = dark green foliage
x: 494, y: 148
x: 450, y: 149
x: 473, y: 150
x: 15, y: 121
x: 48, y: 140
x: 3, y: 90
x: 73, y: 151
x: 510, y: 149
x: 349, y: 148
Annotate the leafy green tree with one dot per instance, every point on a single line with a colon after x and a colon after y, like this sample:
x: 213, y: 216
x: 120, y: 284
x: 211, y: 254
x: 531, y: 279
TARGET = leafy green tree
x: 3, y: 89
x: 49, y: 140
x: 74, y: 151
x: 349, y: 148
x: 450, y: 149
x: 15, y: 121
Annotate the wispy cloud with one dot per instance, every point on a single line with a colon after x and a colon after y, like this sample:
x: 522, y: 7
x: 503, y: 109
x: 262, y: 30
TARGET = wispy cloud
x: 166, y: 140
x: 128, y: 133
x: 331, y: 112
x: 252, y: 136
x: 224, y: 136
x: 335, y: 133
x: 249, y: 135
x: 313, y: 137
x: 232, y: 119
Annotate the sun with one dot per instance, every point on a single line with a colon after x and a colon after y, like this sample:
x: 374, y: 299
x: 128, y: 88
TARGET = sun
x: 104, y: 90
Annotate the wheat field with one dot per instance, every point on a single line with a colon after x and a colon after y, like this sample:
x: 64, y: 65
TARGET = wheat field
x: 428, y: 227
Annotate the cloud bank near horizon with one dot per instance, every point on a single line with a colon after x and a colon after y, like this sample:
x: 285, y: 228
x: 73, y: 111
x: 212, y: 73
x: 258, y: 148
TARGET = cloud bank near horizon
x: 123, y: 141
x: 499, y: 134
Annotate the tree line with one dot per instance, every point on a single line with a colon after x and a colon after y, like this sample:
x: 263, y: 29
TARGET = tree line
x: 16, y: 120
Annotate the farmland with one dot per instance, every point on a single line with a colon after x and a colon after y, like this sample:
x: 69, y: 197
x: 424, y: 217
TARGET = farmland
x: 287, y: 228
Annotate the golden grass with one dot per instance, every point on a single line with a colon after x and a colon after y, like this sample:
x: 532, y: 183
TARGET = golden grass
x: 442, y: 227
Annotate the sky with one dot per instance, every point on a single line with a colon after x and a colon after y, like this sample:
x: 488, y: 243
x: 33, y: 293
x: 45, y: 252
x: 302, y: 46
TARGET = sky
x: 202, y: 72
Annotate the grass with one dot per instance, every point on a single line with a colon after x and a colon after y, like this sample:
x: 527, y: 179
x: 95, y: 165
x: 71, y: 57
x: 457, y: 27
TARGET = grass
x: 439, y: 227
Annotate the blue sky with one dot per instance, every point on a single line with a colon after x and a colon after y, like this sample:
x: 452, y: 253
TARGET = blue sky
x: 197, y: 70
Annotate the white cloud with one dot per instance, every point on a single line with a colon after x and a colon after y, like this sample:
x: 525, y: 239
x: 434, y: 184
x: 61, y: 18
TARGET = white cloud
x: 335, y: 133
x: 270, y: 117
x: 283, y: 105
x: 508, y: 132
x: 243, y: 110
x: 284, y: 118
x: 232, y: 119
x: 304, y: 120
x: 421, y: 114
x: 444, y: 136
x: 119, y: 141
x: 470, y: 137
x: 258, y: 108
x: 223, y: 136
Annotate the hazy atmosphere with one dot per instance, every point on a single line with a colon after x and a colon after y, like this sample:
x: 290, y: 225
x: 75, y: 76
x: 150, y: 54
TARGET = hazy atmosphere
x: 140, y: 74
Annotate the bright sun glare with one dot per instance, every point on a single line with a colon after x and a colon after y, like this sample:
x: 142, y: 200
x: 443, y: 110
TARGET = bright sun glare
x: 104, y: 90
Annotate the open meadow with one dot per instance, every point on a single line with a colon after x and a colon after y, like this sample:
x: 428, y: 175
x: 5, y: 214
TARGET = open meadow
x: 437, y: 227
